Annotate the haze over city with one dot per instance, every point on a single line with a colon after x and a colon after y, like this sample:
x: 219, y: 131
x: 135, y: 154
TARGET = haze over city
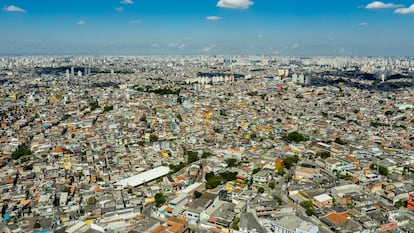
x: 321, y: 27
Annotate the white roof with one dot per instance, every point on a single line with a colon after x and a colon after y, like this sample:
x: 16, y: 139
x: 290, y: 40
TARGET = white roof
x: 144, y: 177
x: 323, y: 197
x: 191, y: 188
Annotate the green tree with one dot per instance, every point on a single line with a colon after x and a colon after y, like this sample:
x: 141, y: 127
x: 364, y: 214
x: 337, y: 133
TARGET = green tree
x: 278, y: 199
x: 294, y: 136
x: 281, y: 171
x: 197, y: 194
x: 192, y: 157
x: 309, y: 211
x: 213, y: 182
x: 401, y: 203
x: 159, y: 199
x: 21, y: 151
x: 93, y: 105
x: 175, y: 168
x: 260, y: 190
x: 153, y: 138
x: 381, y: 169
x: 65, y: 117
x: 209, y: 175
x: 37, y: 225
x: 206, y: 154
x: 91, y: 201
x: 306, y: 204
x: 108, y: 108
x: 235, y: 224
x: 256, y: 170
x: 340, y: 141
x: 228, y: 176
x: 323, y: 154
x: 231, y: 162
x: 272, y: 184
x: 179, y: 117
x: 289, y: 161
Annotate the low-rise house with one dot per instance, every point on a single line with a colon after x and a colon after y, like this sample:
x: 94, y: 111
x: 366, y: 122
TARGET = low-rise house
x: 322, y: 200
x: 175, y: 206
x: 220, y: 214
x: 291, y: 224
x: 249, y: 223
x: 194, y: 209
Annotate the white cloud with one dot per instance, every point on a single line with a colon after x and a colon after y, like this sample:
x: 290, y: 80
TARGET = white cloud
x: 13, y: 8
x: 363, y: 24
x: 209, y: 48
x: 81, y: 22
x: 381, y: 5
x: 213, y: 17
x: 176, y: 45
x: 235, y: 4
x: 119, y: 9
x: 155, y: 45
x: 127, y: 2
x: 260, y: 36
x: 295, y: 46
x: 404, y: 11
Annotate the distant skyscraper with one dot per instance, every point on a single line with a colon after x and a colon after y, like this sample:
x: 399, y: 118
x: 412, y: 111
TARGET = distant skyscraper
x: 67, y: 74
x: 295, y: 78
x: 72, y: 71
x: 308, y: 80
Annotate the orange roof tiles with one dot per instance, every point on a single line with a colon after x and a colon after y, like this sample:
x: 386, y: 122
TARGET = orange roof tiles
x: 353, y: 159
x: 159, y: 229
x: 338, y: 218
x: 235, y: 151
x: 214, y: 230
x: 355, y: 179
x: 286, y: 147
x: 59, y: 149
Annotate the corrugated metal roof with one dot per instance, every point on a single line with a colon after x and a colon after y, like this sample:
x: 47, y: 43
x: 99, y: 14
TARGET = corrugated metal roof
x: 144, y: 177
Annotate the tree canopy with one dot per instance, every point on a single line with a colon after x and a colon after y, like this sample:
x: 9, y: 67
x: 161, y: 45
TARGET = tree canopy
x: 294, y: 136
x: 159, y: 199
x: 21, y: 151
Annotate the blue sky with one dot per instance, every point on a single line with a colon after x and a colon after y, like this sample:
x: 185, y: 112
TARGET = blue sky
x: 290, y: 27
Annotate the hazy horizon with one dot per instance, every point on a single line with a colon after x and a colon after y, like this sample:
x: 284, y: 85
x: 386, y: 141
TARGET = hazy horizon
x: 207, y: 27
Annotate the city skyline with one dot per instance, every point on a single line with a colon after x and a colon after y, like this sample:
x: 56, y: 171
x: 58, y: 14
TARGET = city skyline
x: 209, y: 27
